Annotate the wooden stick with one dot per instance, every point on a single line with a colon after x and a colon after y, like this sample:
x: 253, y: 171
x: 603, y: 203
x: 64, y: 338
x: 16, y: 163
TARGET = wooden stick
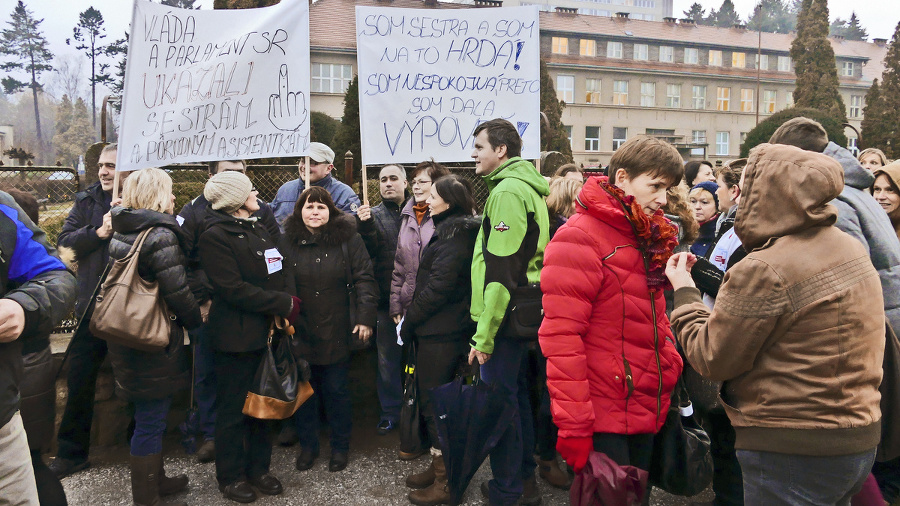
x: 306, y: 174
x: 537, y: 164
x: 365, y: 186
x: 115, y: 193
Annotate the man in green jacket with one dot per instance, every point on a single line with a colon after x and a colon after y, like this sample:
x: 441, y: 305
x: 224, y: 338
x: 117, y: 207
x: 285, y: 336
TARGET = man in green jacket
x: 509, y: 252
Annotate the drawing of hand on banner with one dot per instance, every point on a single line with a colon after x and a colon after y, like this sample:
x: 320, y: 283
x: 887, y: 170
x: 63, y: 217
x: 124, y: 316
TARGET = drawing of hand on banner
x: 287, y: 110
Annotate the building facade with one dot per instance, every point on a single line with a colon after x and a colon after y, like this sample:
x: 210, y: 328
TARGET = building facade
x: 701, y: 88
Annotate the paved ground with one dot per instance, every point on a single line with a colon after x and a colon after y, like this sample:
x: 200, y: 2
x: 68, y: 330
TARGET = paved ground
x: 374, y: 477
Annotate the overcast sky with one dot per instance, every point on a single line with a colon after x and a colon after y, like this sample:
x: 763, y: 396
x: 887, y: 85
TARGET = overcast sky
x: 879, y: 17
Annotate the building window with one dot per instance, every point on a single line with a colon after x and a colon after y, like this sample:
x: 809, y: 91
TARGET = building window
x: 650, y: 4
x: 648, y: 94
x: 847, y: 69
x: 568, y: 129
x: 588, y: 48
x: 641, y: 52
x: 565, y: 88
x: 691, y: 55
x: 613, y: 49
x: 789, y: 98
x: 592, y: 138
x: 698, y: 97
x: 715, y: 57
x: 723, y: 99
x: 673, y: 95
x: 620, y: 92
x: 738, y: 60
x: 559, y: 45
x: 856, y: 106
x: 762, y: 61
x: 698, y: 137
x: 746, y: 100
x: 592, y: 89
x: 852, y: 145
x: 330, y: 77
x: 666, y: 54
x: 769, y: 101
x: 784, y: 63
x: 619, y: 135
x: 723, y: 139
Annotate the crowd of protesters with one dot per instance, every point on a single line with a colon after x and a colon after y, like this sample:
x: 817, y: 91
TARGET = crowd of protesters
x: 767, y: 286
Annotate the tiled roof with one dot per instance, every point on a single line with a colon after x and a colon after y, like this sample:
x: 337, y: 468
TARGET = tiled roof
x: 333, y: 26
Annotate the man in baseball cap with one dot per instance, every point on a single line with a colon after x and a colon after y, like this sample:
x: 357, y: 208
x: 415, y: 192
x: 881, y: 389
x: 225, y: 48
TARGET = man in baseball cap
x: 321, y: 162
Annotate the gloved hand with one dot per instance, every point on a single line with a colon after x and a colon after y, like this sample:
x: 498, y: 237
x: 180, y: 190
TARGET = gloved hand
x: 296, y: 306
x: 575, y: 450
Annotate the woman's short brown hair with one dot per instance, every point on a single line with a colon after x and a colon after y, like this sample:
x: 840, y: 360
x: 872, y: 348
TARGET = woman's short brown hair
x: 435, y: 170
x: 648, y: 155
x: 562, y: 193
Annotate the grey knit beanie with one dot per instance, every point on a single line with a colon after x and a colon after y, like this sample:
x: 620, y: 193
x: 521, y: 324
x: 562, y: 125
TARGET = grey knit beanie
x: 227, y: 191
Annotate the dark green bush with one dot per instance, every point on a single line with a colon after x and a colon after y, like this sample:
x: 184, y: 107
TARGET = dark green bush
x: 762, y: 132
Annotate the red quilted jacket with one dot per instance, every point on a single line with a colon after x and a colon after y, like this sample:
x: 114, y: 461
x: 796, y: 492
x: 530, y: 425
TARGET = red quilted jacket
x: 607, y: 370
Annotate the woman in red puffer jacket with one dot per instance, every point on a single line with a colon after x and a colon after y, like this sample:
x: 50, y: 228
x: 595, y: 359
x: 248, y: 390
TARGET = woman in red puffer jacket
x: 611, y: 358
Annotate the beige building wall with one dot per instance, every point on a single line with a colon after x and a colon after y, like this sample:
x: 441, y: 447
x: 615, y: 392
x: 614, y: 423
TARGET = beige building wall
x: 7, y: 140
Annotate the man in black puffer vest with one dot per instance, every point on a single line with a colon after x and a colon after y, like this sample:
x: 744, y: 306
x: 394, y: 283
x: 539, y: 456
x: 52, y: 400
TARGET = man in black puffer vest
x: 36, y: 291
x: 379, y: 228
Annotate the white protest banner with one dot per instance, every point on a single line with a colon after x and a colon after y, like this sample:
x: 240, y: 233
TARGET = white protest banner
x: 428, y: 77
x: 205, y: 85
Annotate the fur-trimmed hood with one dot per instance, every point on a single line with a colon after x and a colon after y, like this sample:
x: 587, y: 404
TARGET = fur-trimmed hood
x: 448, y: 227
x: 337, y: 231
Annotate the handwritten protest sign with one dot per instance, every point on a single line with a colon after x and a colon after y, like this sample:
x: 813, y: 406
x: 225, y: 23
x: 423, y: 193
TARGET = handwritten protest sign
x: 204, y: 85
x: 428, y: 77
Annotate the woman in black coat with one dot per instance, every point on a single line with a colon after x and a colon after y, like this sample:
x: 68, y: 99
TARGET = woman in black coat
x: 149, y: 379
x: 333, y: 274
x: 250, y: 287
x: 438, y: 317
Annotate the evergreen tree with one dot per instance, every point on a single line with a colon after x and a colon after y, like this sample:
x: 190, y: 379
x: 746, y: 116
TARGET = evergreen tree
x: 74, y: 132
x: 726, y: 17
x: 348, y: 137
x: 553, y: 138
x: 695, y: 12
x: 88, y: 33
x: 814, y: 62
x: 875, y: 123
x: 890, y: 96
x: 24, y: 42
x: 772, y: 16
x: 118, y: 49
x: 322, y: 127
x: 855, y: 30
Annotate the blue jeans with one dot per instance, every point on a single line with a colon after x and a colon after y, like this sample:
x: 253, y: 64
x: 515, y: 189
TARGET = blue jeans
x: 204, y: 381
x: 329, y: 383
x: 511, y: 459
x: 149, y: 426
x: 777, y: 478
x: 390, y: 368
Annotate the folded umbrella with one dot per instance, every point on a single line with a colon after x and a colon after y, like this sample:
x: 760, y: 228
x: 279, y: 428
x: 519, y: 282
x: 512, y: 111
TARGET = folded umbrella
x: 470, y: 421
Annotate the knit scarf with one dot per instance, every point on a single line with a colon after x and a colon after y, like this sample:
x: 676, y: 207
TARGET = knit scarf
x: 421, y: 209
x: 656, y: 236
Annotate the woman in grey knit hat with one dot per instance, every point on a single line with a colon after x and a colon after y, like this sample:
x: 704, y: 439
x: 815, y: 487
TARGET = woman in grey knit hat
x: 249, y: 288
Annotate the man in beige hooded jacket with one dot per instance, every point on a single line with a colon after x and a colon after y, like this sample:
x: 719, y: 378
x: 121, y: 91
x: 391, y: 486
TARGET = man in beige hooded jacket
x: 797, y: 334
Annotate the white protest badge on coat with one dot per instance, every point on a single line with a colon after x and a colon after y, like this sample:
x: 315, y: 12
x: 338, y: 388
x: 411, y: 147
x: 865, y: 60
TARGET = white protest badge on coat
x: 428, y: 77
x: 273, y: 260
x: 207, y: 85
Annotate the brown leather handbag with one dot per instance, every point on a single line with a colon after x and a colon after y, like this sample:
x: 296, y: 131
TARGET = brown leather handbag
x: 129, y: 310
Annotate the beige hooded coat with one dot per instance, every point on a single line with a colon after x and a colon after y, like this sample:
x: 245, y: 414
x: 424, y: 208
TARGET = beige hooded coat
x: 797, y: 332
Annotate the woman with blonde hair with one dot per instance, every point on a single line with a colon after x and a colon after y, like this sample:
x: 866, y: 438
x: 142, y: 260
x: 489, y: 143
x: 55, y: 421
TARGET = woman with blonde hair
x: 872, y: 159
x: 561, y: 201
x: 149, y: 380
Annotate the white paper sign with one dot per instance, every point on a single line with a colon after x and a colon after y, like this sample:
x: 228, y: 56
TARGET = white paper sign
x: 204, y: 85
x: 428, y: 77
x: 273, y: 260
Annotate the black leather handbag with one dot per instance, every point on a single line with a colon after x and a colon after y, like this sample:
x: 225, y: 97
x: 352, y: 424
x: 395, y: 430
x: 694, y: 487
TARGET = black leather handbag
x: 524, y: 313
x: 681, y: 463
x: 281, y: 383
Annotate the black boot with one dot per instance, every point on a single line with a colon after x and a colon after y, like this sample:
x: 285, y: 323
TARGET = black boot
x: 145, y: 481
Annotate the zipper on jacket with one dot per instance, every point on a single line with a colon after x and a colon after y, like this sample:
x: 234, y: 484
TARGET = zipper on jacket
x: 656, y: 352
x: 629, y: 379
